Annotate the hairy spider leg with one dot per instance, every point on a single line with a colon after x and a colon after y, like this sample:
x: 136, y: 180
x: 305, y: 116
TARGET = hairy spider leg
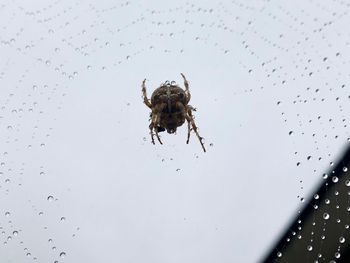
x: 188, y: 132
x: 152, y: 127
x: 144, y: 95
x: 187, y: 89
x: 189, y: 118
x: 187, y: 111
x: 189, y: 107
x: 155, y: 118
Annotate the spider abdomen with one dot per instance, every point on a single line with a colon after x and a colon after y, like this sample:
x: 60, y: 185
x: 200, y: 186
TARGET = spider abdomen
x: 168, y: 94
x: 170, y: 121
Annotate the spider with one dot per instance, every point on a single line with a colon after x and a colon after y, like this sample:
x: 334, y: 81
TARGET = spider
x: 170, y: 109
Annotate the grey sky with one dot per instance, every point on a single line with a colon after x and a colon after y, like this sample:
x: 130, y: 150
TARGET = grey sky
x: 73, y: 126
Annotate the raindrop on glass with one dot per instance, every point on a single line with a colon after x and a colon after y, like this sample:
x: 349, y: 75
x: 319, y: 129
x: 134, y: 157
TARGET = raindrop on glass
x: 325, y: 216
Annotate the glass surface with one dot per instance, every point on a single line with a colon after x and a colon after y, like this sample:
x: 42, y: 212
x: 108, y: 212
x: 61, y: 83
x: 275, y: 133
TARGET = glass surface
x: 80, y: 180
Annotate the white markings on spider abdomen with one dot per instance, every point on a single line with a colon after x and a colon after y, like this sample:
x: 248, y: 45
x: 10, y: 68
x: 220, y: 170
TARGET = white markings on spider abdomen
x: 168, y: 94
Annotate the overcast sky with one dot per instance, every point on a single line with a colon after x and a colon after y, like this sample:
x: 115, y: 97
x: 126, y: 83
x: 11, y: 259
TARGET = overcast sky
x: 80, y: 180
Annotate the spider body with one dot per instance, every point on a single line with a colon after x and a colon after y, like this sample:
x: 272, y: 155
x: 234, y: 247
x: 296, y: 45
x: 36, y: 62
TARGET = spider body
x: 170, y: 109
x: 169, y: 95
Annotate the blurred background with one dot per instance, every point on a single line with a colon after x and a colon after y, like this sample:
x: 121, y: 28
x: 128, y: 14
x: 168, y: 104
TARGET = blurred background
x: 80, y: 180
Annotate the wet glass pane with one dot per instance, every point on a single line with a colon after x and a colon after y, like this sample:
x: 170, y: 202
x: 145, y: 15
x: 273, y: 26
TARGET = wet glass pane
x: 81, y: 181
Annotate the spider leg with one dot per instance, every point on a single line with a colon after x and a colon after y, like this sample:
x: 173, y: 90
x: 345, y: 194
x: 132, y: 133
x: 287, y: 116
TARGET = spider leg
x: 144, y: 95
x: 188, y: 132
x: 155, y: 119
x: 153, y: 127
x: 190, y: 120
x: 187, y: 89
x: 157, y: 135
x: 191, y: 108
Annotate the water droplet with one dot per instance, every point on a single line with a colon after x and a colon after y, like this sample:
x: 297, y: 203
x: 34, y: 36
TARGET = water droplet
x: 50, y: 198
x: 325, y: 216
x: 62, y: 254
x: 337, y: 255
x: 279, y: 254
x: 7, y: 214
x: 335, y: 179
x: 309, y: 248
x: 63, y: 219
x: 316, y: 196
x: 345, y: 169
x: 342, y: 240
